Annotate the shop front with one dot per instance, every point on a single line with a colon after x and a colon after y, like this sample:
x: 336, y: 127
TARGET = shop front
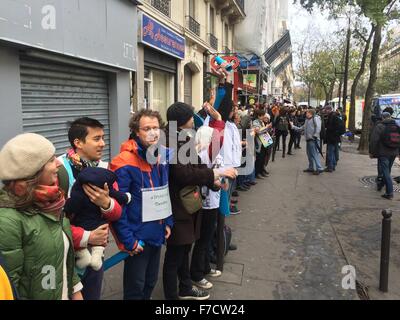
x: 163, y: 50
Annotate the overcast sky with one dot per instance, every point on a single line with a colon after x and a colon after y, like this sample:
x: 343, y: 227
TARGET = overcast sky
x: 301, y: 23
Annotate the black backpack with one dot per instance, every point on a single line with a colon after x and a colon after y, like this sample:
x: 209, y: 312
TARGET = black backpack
x: 391, y: 136
x: 283, y: 124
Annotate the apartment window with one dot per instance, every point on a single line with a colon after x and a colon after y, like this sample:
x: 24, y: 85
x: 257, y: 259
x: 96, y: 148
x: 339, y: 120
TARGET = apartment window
x: 192, y: 11
x: 212, y: 20
x: 226, y: 35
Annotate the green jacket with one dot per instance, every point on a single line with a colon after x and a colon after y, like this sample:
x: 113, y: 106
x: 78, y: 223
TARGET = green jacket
x: 31, y: 244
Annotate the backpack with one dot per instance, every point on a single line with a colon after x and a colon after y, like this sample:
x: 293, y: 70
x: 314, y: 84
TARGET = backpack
x: 341, y: 127
x: 390, y: 137
x: 227, y: 242
x: 283, y: 124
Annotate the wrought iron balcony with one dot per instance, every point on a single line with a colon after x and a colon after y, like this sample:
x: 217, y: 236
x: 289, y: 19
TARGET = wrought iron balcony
x: 213, y: 41
x: 164, y: 6
x: 193, y: 25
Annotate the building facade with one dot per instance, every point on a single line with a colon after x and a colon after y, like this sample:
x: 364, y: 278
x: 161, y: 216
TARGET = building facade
x: 264, y: 34
x: 66, y: 60
x: 176, y: 66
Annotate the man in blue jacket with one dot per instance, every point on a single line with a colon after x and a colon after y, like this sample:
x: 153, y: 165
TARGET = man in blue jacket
x: 146, y: 222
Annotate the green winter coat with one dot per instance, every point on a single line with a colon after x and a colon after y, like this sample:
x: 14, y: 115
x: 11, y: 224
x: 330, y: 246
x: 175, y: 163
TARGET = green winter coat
x: 31, y: 243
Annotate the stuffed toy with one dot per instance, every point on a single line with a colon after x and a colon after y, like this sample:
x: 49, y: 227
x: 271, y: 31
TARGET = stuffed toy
x: 85, y: 214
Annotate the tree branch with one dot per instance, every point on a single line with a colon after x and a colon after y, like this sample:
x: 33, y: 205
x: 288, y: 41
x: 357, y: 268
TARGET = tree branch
x: 360, y: 35
x: 391, y: 5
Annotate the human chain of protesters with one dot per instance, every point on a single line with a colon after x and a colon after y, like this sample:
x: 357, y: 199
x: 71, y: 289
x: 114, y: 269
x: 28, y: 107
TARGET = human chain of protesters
x: 167, y: 186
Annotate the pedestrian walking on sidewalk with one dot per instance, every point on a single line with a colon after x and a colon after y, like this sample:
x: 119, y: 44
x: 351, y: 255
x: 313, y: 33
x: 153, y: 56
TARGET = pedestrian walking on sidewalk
x: 385, y: 146
x: 334, y: 130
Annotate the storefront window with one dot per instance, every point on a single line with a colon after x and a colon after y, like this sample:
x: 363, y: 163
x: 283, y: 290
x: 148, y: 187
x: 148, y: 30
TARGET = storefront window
x: 163, y: 92
x: 210, y: 84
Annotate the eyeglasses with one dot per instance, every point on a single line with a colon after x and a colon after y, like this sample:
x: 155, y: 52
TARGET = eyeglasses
x: 148, y: 129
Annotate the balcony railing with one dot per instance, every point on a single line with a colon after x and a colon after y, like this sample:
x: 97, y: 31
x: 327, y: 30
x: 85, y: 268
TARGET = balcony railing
x: 164, y: 6
x: 193, y: 25
x: 213, y: 41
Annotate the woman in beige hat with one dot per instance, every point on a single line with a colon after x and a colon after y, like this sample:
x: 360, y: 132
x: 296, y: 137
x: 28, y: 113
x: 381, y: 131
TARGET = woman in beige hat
x: 35, y: 238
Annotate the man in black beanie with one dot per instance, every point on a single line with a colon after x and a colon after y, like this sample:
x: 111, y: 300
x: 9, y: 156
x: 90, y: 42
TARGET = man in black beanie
x: 180, y: 112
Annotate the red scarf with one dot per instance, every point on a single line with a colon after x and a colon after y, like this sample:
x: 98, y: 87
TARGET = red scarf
x: 50, y: 199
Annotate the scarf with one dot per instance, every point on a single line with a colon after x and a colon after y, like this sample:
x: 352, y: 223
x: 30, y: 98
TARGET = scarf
x: 50, y: 199
x: 78, y: 162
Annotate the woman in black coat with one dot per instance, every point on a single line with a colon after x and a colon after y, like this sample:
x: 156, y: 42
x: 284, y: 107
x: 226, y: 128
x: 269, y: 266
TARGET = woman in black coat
x: 186, y: 229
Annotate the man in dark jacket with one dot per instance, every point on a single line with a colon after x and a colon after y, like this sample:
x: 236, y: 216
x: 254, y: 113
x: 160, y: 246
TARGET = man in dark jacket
x: 384, y: 145
x: 334, y: 129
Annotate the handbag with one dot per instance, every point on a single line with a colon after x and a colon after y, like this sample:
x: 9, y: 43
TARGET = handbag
x: 265, y: 139
x: 191, y: 199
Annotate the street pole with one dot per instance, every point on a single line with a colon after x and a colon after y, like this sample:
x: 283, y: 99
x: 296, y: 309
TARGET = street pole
x: 346, y: 71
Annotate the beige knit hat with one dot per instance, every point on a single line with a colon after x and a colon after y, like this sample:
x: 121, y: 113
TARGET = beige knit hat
x: 23, y: 156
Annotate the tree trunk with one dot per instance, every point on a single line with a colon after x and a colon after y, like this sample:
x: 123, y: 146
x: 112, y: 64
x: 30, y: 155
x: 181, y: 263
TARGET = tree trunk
x: 364, y: 142
x: 352, y: 115
x: 331, y: 90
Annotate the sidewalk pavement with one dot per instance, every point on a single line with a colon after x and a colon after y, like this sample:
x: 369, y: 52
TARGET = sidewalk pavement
x: 295, y: 234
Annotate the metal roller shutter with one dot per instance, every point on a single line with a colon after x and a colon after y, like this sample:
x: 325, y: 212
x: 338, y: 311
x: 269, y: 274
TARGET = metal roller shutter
x: 54, y: 94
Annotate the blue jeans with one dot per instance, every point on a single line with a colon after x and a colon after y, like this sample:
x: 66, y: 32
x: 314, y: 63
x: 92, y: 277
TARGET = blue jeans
x: 141, y: 273
x: 331, y: 156
x: 385, y: 165
x: 314, y: 162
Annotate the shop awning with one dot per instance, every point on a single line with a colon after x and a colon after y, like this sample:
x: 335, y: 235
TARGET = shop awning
x: 281, y: 67
x: 278, y: 48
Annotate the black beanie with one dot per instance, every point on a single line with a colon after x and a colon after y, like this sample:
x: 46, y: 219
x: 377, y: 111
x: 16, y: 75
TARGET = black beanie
x: 180, y: 112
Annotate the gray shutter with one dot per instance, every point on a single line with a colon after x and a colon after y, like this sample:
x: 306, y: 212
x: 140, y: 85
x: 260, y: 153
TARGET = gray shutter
x: 54, y: 94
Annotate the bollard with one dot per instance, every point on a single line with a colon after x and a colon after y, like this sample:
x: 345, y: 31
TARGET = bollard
x: 385, y: 250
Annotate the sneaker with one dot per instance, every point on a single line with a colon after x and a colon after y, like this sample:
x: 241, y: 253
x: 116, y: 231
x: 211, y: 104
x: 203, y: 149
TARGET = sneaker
x: 259, y: 176
x: 265, y: 175
x: 328, y: 170
x: 203, y: 284
x: 195, y: 294
x: 253, y: 183
x: 234, y: 210
x: 387, y: 196
x: 214, y: 273
x: 232, y: 247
